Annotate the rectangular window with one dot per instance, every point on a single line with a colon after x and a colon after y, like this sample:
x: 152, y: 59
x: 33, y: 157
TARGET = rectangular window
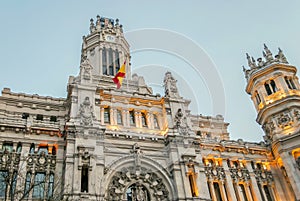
x: 53, y: 118
x: 243, y: 192
x: 39, y: 117
x: 39, y: 186
x: 267, y: 193
x: 131, y: 118
x: 85, y: 179
x: 144, y: 120
x: 106, y: 115
x: 119, y: 117
x: 111, y: 62
x: 155, y: 122
x: 25, y: 115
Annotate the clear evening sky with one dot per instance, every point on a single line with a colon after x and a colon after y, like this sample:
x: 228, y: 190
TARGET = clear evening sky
x: 41, y: 43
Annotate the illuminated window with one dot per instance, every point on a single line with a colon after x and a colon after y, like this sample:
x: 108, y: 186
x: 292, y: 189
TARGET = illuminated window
x: 243, y: 192
x: 144, y: 120
x: 119, y: 117
x: 217, y: 191
x: 84, y: 178
x: 290, y: 82
x: 106, y: 115
x: 131, y: 118
x: 111, y: 62
x: 39, y: 185
x: 104, y: 61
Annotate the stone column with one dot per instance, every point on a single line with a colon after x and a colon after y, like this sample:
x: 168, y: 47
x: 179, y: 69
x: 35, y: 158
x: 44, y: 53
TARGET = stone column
x: 222, y: 190
x: 255, y: 192
x: 248, y: 192
x: 202, y: 184
x: 230, y: 189
x: 212, y: 190
x: 137, y: 117
x: 292, y: 173
x: 102, y: 115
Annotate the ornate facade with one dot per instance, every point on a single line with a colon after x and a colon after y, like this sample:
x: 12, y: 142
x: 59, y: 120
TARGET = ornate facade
x: 103, y: 143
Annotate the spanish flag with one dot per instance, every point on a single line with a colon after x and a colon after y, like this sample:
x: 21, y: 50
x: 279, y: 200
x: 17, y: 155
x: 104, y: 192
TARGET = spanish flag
x: 120, y: 75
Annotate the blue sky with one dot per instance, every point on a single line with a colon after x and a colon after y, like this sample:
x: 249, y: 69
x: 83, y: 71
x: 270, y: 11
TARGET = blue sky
x: 41, y: 43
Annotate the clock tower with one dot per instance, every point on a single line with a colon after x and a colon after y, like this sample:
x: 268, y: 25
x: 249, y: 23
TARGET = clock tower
x: 106, y: 48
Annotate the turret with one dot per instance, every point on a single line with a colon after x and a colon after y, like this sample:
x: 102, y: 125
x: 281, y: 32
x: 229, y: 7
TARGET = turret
x: 275, y: 92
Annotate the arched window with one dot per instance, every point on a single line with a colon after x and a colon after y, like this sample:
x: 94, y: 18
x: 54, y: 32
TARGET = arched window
x: 19, y: 147
x: 119, y: 117
x: 104, y: 61
x: 155, y: 122
x: 270, y: 87
x: 43, y: 149
x: 290, y: 83
x: 111, y: 61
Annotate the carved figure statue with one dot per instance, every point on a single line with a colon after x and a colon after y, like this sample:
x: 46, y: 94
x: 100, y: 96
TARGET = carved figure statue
x: 86, y: 112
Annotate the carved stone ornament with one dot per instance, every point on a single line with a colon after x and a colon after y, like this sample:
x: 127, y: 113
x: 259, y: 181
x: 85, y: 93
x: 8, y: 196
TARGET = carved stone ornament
x: 263, y: 176
x: 214, y: 172
x: 170, y: 86
x: 180, y: 122
x: 147, y: 185
x: 269, y: 127
x: 86, y: 113
x: 239, y: 174
x: 86, y: 69
x: 283, y: 120
x: 297, y: 114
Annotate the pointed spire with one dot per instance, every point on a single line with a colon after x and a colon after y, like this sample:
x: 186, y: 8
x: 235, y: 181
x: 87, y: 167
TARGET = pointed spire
x: 268, y: 54
x: 281, y: 56
x: 250, y: 63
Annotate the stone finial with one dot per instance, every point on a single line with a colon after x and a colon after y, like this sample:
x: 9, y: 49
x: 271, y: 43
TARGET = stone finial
x: 268, y: 54
x: 92, y: 25
x: 281, y: 57
x: 251, y: 64
x: 260, y: 62
x: 98, y: 23
x: 117, y: 22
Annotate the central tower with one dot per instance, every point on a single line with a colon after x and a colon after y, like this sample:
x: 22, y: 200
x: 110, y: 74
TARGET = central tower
x: 105, y: 47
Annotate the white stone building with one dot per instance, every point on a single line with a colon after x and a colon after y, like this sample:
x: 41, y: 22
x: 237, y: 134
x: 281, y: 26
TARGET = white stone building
x: 104, y: 143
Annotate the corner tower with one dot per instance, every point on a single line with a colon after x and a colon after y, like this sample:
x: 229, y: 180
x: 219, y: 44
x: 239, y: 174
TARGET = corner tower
x: 275, y: 92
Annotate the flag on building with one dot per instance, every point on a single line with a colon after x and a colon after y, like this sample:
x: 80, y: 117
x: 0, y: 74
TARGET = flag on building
x: 118, y: 79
